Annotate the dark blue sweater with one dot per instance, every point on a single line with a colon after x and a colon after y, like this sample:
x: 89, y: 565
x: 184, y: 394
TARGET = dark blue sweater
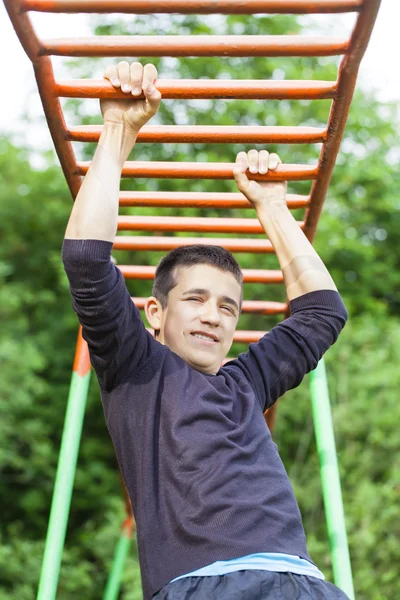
x: 203, y: 474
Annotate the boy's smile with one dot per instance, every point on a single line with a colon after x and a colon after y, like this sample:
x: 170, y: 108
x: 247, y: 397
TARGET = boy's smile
x: 201, y: 315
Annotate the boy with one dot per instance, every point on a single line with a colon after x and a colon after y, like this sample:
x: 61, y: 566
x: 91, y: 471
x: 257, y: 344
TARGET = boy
x: 216, y: 515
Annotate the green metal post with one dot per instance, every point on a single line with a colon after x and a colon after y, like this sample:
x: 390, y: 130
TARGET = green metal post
x: 65, y: 473
x: 121, y: 552
x: 330, y: 480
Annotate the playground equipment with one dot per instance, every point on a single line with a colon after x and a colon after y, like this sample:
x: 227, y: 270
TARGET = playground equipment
x: 339, y: 91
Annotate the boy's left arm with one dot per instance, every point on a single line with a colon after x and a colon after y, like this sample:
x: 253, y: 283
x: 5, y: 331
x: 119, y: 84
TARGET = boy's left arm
x: 302, y: 268
x: 279, y: 361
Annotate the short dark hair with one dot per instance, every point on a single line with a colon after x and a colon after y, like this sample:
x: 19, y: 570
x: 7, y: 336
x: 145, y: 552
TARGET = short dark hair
x: 187, y: 256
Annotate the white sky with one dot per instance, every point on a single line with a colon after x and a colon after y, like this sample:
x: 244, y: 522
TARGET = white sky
x: 379, y: 68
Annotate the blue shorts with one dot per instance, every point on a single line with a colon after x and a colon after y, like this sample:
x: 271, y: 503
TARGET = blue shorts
x: 251, y: 585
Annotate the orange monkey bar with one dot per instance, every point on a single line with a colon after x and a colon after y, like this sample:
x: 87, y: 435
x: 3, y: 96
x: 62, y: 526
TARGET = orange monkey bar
x: 339, y: 91
x: 249, y: 275
x: 199, y: 200
x: 200, y: 45
x: 200, y: 7
x: 181, y: 170
x: 208, y: 135
x: 198, y: 224
x: 200, y: 89
x: 249, y: 306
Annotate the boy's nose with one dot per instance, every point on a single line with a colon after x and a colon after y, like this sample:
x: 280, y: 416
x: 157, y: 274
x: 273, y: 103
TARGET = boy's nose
x: 210, y: 314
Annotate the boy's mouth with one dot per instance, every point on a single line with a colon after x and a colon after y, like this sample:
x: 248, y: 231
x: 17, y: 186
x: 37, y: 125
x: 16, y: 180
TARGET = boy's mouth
x: 206, y: 337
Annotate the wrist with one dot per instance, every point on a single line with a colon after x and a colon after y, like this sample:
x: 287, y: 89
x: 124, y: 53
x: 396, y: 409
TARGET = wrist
x: 272, y: 208
x: 118, y: 138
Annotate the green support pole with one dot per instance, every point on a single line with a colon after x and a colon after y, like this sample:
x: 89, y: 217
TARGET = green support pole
x: 65, y: 473
x: 330, y: 480
x: 121, y: 552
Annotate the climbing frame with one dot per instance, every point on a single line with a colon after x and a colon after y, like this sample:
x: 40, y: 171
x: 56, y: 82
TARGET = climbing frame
x: 339, y: 91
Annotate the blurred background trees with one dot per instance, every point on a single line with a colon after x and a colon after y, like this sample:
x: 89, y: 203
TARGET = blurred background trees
x: 358, y: 240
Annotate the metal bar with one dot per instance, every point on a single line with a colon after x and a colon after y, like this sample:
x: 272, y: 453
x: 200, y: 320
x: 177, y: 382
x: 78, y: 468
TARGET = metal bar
x: 65, y: 472
x: 258, y: 307
x: 210, y: 134
x: 198, y: 89
x: 181, y: 170
x: 45, y: 79
x: 169, y: 243
x: 196, y: 224
x: 200, y: 7
x: 198, y: 45
x: 249, y: 275
x: 330, y: 480
x: 199, y: 200
x: 248, y: 337
x: 121, y: 553
x: 339, y: 111
x: 55, y: 120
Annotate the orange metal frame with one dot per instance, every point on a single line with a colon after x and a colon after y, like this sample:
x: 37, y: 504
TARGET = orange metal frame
x: 340, y: 91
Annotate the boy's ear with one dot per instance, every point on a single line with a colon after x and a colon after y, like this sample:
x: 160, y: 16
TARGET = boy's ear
x: 153, y: 310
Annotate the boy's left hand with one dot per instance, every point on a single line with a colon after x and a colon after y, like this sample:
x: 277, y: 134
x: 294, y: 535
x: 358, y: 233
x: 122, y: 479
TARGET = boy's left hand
x: 259, y: 193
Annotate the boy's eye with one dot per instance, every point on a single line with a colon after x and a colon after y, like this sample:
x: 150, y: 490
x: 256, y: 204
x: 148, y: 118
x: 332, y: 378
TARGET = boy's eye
x: 196, y: 299
x: 228, y: 308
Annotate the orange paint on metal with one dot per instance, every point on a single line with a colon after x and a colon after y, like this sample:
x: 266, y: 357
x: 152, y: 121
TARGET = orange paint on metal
x: 227, y: 7
x: 258, y: 307
x: 247, y: 337
x: 210, y: 135
x: 162, y: 244
x: 182, y: 170
x: 348, y: 71
x: 189, y: 89
x: 249, y: 275
x: 195, y: 224
x: 198, y: 45
x: 199, y: 200
x: 128, y: 526
x: 56, y: 123
x: 82, y: 364
x: 270, y: 416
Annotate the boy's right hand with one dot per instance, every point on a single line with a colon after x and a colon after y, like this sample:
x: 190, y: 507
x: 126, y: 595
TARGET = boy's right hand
x: 133, y: 112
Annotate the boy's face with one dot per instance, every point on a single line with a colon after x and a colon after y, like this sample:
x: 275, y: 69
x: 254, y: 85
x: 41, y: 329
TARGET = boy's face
x: 201, y: 315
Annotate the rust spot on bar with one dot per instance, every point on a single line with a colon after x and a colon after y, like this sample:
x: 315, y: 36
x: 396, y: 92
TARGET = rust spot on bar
x: 82, y: 364
x: 196, y: 45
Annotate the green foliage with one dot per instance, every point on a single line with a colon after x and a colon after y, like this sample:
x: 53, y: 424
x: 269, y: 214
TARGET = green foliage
x: 358, y: 242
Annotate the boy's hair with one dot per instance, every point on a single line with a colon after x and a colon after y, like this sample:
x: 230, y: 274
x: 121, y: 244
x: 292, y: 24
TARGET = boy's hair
x: 187, y: 256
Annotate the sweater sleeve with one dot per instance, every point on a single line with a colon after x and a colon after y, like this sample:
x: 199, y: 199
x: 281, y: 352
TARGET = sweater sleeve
x: 111, y: 324
x: 281, y: 358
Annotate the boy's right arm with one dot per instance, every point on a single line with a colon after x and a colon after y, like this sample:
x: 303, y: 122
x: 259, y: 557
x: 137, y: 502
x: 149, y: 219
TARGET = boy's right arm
x: 111, y: 323
x: 95, y: 211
